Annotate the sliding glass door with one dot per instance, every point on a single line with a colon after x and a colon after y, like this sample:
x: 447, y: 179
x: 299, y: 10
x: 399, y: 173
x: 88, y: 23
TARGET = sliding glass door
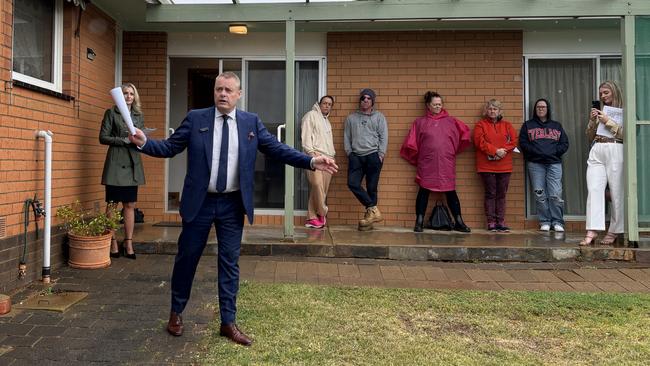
x: 263, y: 84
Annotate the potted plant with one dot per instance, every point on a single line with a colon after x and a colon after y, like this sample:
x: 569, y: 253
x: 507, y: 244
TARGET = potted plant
x: 89, y: 236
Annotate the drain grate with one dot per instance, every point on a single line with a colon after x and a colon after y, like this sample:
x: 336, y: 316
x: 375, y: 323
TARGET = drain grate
x: 3, y: 226
x: 60, y: 301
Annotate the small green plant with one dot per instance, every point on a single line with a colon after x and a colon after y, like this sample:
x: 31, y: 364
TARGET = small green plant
x: 80, y: 222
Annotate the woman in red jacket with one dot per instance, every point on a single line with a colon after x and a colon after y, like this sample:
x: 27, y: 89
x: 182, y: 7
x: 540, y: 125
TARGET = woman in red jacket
x: 495, y: 139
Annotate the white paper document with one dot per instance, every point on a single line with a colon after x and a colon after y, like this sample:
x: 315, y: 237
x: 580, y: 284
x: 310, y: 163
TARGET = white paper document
x: 120, y: 102
x: 616, y: 115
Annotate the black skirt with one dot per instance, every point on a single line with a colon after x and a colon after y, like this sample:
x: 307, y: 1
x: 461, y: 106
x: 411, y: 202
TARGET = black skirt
x: 121, y: 194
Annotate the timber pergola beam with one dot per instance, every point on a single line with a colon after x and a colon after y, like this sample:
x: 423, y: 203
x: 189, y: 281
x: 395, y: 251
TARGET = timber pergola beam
x: 394, y: 10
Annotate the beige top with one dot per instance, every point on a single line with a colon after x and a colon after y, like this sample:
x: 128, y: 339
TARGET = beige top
x: 317, y: 133
x: 615, y: 128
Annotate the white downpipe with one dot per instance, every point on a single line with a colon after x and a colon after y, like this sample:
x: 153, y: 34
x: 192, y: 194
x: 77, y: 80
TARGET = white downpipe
x: 47, y: 136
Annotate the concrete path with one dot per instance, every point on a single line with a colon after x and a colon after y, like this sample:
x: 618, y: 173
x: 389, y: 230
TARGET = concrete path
x: 122, y: 320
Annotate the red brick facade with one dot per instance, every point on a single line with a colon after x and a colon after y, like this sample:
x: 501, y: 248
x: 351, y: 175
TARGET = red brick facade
x: 77, y: 156
x: 145, y: 65
x: 465, y: 67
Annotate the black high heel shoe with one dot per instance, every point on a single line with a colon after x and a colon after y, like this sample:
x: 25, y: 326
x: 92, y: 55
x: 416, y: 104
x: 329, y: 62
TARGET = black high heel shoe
x: 115, y: 254
x: 126, y: 254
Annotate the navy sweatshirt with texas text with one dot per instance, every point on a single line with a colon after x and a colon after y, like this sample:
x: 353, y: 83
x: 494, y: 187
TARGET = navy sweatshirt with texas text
x: 543, y: 142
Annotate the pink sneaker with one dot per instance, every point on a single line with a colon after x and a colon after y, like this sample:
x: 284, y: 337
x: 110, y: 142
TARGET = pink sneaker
x: 323, y: 220
x: 314, y: 224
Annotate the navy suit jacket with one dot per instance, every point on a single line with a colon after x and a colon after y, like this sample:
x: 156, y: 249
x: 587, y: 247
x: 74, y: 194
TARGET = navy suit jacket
x: 196, y: 135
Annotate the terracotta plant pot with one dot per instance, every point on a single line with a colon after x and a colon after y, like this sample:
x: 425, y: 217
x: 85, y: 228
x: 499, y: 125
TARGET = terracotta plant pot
x: 89, y: 252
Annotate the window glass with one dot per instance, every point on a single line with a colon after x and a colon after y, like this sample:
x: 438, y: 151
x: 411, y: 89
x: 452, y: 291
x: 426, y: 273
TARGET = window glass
x: 643, y: 114
x: 33, y: 41
x: 611, y: 69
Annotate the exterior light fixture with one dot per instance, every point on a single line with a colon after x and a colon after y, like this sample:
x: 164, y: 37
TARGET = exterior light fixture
x: 238, y: 28
x: 90, y: 53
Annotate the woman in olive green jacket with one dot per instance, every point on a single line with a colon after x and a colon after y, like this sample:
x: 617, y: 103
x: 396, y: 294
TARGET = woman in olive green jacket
x: 123, y: 171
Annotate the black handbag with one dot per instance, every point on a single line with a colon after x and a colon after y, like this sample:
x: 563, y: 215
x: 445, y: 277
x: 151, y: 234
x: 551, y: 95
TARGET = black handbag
x: 138, y: 216
x: 440, y: 218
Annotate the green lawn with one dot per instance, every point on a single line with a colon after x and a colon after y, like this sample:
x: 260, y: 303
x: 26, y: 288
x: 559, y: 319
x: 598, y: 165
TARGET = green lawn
x: 317, y: 325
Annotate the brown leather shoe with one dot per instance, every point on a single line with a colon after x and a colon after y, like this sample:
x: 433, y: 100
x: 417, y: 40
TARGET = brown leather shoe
x: 175, y: 324
x: 233, y: 333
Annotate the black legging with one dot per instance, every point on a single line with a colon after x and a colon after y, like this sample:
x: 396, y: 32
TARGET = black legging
x: 423, y: 199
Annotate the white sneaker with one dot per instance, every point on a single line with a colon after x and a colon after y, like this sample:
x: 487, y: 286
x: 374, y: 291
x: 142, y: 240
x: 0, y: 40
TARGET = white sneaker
x: 545, y: 227
x: 558, y: 228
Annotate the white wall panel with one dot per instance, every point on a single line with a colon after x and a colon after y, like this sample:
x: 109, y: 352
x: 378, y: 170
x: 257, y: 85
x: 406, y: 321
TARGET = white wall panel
x: 578, y: 41
x: 252, y: 44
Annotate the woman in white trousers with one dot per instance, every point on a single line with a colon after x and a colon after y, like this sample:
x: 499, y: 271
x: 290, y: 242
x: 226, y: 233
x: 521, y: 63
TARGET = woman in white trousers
x: 605, y: 168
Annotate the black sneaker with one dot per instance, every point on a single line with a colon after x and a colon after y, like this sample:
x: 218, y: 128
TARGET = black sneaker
x: 503, y: 229
x: 492, y: 228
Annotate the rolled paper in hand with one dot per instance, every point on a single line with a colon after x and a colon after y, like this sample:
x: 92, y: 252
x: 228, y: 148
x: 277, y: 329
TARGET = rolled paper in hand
x: 120, y: 102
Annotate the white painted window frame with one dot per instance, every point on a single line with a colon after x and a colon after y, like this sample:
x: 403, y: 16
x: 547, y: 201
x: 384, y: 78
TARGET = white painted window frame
x: 57, y: 56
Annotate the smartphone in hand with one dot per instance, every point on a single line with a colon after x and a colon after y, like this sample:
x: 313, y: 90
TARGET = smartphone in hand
x: 595, y: 104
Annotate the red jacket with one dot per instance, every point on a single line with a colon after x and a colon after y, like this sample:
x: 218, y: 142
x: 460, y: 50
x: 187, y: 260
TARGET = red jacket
x: 490, y: 136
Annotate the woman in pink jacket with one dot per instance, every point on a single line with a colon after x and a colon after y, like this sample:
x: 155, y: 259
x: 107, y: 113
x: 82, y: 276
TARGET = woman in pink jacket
x: 432, y: 145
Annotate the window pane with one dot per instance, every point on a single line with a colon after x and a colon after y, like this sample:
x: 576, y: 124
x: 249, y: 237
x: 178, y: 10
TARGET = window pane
x: 33, y: 30
x: 306, y: 96
x: 611, y: 69
x: 265, y: 90
x: 643, y: 114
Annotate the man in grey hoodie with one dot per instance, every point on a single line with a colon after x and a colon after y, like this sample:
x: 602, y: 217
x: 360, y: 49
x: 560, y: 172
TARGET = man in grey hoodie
x: 365, y: 143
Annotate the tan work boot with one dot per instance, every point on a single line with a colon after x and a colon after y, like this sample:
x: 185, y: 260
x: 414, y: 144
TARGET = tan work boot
x: 372, y: 215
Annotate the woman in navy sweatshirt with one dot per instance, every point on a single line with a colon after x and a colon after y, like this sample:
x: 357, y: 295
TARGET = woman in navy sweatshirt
x: 543, y: 142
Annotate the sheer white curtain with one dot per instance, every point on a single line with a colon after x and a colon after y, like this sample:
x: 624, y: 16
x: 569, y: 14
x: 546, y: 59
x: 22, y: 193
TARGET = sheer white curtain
x: 568, y: 84
x: 32, y: 43
x: 643, y: 113
x: 611, y: 69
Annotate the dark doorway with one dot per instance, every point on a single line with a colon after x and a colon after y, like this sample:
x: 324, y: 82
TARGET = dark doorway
x: 200, y: 88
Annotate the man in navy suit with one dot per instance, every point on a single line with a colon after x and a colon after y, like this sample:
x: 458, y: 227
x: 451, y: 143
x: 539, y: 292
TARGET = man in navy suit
x: 222, y: 144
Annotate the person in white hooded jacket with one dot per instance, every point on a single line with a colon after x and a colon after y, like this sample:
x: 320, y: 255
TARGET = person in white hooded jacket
x: 317, y: 140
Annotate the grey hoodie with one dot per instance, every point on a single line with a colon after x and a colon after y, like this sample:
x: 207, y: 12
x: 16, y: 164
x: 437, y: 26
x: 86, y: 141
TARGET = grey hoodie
x: 366, y: 133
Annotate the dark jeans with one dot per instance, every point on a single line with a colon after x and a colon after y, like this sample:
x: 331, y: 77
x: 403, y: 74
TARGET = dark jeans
x: 368, y: 166
x: 226, y: 213
x: 423, y: 199
x: 496, y: 187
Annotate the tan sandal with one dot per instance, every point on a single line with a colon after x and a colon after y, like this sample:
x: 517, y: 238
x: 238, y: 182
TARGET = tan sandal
x: 609, y: 239
x: 589, y: 238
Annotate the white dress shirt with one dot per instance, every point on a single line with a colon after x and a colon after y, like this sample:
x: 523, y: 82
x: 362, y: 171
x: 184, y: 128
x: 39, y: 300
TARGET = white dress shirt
x: 232, y: 181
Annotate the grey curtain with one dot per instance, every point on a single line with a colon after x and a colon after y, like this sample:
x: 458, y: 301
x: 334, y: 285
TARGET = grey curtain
x: 569, y: 86
x: 610, y: 69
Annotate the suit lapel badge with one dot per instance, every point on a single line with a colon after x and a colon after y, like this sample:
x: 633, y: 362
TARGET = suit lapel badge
x: 251, y: 135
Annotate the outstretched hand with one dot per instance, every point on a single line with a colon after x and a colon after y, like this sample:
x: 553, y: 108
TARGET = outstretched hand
x: 325, y: 164
x: 139, y: 138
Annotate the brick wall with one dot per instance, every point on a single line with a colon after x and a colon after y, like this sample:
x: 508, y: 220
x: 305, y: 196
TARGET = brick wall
x: 144, y: 64
x: 465, y: 67
x: 77, y: 156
